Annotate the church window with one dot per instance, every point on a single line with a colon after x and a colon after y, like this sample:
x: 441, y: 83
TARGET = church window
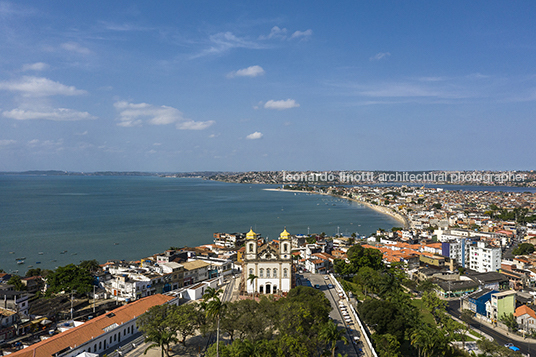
x: 275, y: 273
x: 250, y: 271
x: 285, y: 248
x: 267, y: 273
x: 261, y: 273
x: 251, y: 248
x: 285, y: 273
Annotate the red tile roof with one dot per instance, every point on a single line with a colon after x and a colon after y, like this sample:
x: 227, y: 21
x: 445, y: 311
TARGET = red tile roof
x: 91, y: 329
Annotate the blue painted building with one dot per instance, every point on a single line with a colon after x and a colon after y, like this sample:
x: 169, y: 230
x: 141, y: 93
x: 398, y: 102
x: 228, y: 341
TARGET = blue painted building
x: 476, y: 301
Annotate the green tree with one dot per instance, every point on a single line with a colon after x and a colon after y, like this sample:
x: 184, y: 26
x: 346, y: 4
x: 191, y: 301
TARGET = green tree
x: 16, y: 281
x: 185, y: 320
x: 156, y: 325
x: 510, y: 321
x: 70, y: 278
x: 430, y: 341
x: 467, y: 318
x: 426, y: 286
x: 386, y: 345
x: 251, y: 279
x: 214, y: 308
x: 436, y: 306
x: 523, y: 248
x: 92, y: 266
x: 331, y: 334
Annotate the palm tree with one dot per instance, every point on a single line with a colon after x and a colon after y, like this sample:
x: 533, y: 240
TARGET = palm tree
x: 214, y: 308
x: 162, y: 340
x: 330, y: 333
x: 251, y: 279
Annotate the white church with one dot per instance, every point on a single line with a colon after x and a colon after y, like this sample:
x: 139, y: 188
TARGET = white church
x: 270, y: 263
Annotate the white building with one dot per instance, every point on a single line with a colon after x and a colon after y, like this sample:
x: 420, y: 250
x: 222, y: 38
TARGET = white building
x: 270, y: 264
x: 483, y: 258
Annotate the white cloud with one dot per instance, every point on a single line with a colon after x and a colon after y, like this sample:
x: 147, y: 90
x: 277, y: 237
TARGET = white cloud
x: 254, y: 136
x: 76, y: 48
x: 38, y: 66
x: 131, y: 114
x: 194, y: 125
x: 39, y: 87
x: 380, y: 56
x: 6, y: 142
x: 281, y: 104
x: 252, y: 71
x: 275, y: 32
x: 60, y: 114
x: 225, y: 41
x: 302, y: 34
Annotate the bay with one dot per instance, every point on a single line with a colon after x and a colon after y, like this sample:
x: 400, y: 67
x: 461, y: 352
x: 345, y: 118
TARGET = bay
x: 57, y: 220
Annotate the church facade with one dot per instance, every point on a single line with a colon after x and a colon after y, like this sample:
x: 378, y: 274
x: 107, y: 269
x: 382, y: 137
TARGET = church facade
x: 269, y: 264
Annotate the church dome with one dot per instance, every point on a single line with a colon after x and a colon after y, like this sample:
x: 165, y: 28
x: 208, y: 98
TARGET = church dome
x: 284, y: 235
x: 251, y: 234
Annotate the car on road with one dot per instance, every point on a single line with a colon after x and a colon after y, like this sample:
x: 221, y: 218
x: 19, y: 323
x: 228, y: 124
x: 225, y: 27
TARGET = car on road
x: 317, y: 286
x: 330, y: 286
x: 511, y: 346
x: 326, y: 277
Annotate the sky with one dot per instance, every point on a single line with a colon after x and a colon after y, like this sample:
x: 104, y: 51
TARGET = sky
x: 179, y: 86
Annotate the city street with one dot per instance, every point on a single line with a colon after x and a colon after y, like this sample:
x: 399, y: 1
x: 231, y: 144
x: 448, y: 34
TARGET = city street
x: 453, y: 308
x: 352, y: 328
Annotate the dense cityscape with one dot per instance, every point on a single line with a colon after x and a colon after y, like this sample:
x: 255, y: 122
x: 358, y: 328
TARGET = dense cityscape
x: 459, y: 259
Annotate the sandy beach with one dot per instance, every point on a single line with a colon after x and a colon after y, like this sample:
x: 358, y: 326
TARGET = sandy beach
x: 385, y: 210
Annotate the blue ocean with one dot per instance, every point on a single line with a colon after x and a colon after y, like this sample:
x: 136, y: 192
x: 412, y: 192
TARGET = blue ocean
x: 52, y: 221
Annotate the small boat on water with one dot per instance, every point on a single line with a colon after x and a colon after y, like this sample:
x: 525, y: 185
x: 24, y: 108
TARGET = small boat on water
x: 74, y: 254
x: 20, y: 261
x: 37, y: 262
x: 63, y: 252
x: 40, y: 253
x: 30, y: 266
x: 20, y: 258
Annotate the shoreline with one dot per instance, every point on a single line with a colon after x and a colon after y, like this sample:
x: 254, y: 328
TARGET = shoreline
x: 385, y: 210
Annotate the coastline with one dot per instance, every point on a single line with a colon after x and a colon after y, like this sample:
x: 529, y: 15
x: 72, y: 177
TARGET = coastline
x: 387, y: 211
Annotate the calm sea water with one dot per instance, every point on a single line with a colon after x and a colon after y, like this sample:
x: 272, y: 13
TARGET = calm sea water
x: 57, y: 220
x: 132, y: 217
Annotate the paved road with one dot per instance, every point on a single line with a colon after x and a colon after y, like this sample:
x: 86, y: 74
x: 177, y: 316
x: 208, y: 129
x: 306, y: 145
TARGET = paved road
x: 453, y: 308
x: 331, y: 294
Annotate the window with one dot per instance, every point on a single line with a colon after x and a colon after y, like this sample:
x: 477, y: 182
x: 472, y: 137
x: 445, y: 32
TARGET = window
x: 275, y: 273
x: 95, y: 348
x: 250, y: 271
x: 251, y: 247
x: 261, y: 273
x: 285, y: 248
x: 285, y: 273
x: 267, y: 273
x: 100, y: 345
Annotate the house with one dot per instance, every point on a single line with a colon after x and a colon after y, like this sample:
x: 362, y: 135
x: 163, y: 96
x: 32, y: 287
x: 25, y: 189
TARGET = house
x: 195, y: 271
x: 490, y: 280
x: 526, y: 318
x: 455, y: 288
x: 97, y: 335
x: 476, y: 301
x: 501, y: 303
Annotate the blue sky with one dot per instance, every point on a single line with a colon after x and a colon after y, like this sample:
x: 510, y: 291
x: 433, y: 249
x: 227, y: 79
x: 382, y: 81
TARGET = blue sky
x: 250, y: 85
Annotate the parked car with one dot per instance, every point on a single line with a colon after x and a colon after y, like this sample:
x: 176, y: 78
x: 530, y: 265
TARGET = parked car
x: 511, y: 346
x: 317, y: 286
